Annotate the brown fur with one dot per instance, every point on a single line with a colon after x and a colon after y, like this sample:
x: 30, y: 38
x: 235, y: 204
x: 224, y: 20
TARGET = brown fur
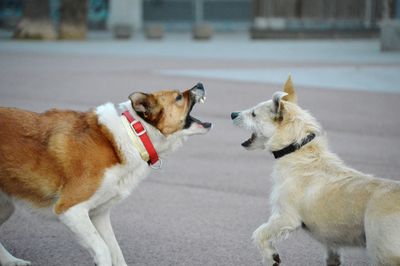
x: 57, y: 160
x: 161, y: 109
x: 60, y: 156
x: 53, y: 157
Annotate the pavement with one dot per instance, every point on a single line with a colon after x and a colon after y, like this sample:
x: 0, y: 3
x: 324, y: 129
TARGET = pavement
x: 203, y: 205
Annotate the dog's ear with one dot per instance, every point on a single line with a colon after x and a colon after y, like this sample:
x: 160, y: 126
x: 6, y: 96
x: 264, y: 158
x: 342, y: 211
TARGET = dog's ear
x: 289, y: 89
x: 277, y: 102
x: 141, y: 102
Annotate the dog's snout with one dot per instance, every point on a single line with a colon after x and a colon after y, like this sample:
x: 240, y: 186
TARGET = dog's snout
x: 199, y: 86
x: 234, y: 115
x: 198, y: 93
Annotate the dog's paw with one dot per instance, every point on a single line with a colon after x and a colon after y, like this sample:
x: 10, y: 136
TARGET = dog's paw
x: 333, y: 263
x: 18, y: 262
x: 119, y: 261
x: 276, y: 259
x: 272, y: 260
x: 333, y: 259
x: 119, y: 264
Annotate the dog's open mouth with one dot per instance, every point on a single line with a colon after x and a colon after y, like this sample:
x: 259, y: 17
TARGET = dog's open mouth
x: 197, y: 95
x: 248, y: 142
x: 190, y: 120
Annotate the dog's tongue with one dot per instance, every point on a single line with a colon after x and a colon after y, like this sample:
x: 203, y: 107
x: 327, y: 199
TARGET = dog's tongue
x: 199, y: 123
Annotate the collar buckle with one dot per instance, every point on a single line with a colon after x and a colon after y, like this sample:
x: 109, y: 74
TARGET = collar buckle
x: 139, y: 131
x: 139, y: 134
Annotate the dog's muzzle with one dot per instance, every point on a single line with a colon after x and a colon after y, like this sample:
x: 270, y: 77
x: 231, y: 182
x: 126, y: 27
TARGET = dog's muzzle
x: 234, y: 115
x: 197, y: 94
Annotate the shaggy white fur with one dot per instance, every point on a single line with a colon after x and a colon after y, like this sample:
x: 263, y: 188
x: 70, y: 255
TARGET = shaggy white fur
x: 314, y: 189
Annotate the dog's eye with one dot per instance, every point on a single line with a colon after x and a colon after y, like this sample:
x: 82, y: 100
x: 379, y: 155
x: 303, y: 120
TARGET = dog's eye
x: 179, y: 97
x: 253, y: 114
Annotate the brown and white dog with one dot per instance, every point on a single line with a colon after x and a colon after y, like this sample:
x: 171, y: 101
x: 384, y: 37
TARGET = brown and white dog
x: 313, y: 189
x: 76, y: 165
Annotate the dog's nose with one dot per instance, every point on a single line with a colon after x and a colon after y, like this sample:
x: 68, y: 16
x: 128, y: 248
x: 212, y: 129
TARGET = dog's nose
x: 199, y: 86
x: 234, y: 115
x: 198, y: 93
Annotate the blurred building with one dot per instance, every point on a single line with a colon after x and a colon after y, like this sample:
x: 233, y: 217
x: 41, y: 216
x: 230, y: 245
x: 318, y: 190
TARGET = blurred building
x: 265, y: 18
x: 316, y: 18
x: 11, y: 12
x: 182, y: 14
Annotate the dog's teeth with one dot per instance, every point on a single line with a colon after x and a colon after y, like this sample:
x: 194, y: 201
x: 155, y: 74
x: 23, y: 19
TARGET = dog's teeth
x: 202, y: 99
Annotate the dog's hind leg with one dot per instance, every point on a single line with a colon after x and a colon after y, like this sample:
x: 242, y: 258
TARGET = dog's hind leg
x: 383, y: 238
x: 78, y: 221
x: 278, y: 226
x: 333, y: 257
x: 6, y: 210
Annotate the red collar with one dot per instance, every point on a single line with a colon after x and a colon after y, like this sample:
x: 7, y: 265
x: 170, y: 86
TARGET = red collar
x: 141, y: 132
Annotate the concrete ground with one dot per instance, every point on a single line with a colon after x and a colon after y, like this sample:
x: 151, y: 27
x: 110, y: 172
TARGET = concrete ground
x: 204, y: 204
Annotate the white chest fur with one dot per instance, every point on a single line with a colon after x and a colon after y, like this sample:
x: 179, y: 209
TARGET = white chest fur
x: 118, y: 183
x: 119, y: 180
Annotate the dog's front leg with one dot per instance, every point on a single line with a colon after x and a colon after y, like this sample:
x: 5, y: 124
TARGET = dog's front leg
x: 103, y: 224
x: 333, y: 257
x: 265, y: 236
x: 78, y: 221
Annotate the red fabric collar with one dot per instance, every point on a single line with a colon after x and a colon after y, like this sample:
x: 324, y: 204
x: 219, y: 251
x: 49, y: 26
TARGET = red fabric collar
x: 141, y: 132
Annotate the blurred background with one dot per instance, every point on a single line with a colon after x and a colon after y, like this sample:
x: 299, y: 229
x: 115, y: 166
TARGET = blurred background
x: 203, y: 205
x: 72, y: 19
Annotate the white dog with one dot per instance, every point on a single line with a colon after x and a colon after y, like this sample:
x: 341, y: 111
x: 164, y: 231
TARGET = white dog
x: 75, y: 166
x: 313, y: 189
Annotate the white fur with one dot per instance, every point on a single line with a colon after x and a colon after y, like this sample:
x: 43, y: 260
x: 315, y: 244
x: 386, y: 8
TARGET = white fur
x: 338, y: 205
x: 78, y: 221
x: 6, y: 210
x: 117, y: 184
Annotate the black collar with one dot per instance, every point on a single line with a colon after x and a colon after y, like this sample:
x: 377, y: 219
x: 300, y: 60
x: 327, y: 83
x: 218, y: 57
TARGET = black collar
x: 293, y: 147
